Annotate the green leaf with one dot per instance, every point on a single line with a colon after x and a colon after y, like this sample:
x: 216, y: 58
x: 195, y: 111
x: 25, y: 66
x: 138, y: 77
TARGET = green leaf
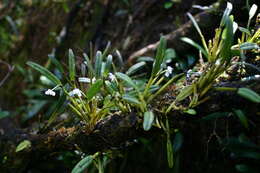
x: 126, y: 79
x: 135, y: 68
x: 58, y: 107
x: 148, y: 120
x: 248, y: 46
x: 249, y: 94
x: 98, y: 64
x: 168, y: 5
x: 215, y: 115
x: 245, y: 30
x: 23, y: 145
x: 108, y: 64
x: 56, y: 63
x: 4, y: 114
x: 198, y: 30
x: 227, y: 40
x: 245, y: 169
x: 241, y: 117
x: 226, y: 14
x: 191, y: 111
x: 131, y: 99
x: 169, y: 153
x: 145, y: 59
x: 159, y: 56
x: 185, y: 92
x: 89, y: 65
x: 169, y: 55
x: 44, y: 72
x: 83, y: 165
x: 94, y: 89
x: 110, y: 87
x: 105, y: 52
x: 72, y: 66
x: 194, y: 44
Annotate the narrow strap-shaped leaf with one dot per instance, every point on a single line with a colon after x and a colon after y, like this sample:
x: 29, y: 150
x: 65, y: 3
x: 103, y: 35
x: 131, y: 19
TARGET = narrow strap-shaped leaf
x: 89, y: 65
x: 241, y: 116
x: 72, y: 66
x: 148, y: 120
x: 126, y: 79
x: 131, y: 99
x: 94, y: 89
x: 249, y: 94
x: 194, y: 44
x: 160, y: 53
x: 44, y: 72
x: 56, y: 63
x: 98, y: 64
x: 227, y: 38
x: 83, y: 164
x: 58, y: 107
x: 170, y: 153
x: 248, y: 46
x: 108, y: 64
x: 135, y: 68
x: 23, y: 145
x: 185, y: 92
x: 195, y: 24
x: 226, y: 14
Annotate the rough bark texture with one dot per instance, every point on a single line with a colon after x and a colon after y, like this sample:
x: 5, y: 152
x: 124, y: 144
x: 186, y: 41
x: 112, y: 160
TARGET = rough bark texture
x: 115, y: 132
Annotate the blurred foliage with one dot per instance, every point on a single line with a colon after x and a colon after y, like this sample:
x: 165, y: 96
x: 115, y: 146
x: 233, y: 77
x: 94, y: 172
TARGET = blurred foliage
x: 43, y: 31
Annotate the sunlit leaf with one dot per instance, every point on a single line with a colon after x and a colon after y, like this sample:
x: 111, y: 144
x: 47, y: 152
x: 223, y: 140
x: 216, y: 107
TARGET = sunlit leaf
x: 23, y: 145
x: 191, y: 111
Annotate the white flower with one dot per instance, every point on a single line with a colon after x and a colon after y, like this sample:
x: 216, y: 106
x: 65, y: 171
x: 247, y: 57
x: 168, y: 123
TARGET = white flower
x: 93, y: 80
x: 111, y: 77
x: 50, y: 92
x: 168, y: 71
x: 76, y: 92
